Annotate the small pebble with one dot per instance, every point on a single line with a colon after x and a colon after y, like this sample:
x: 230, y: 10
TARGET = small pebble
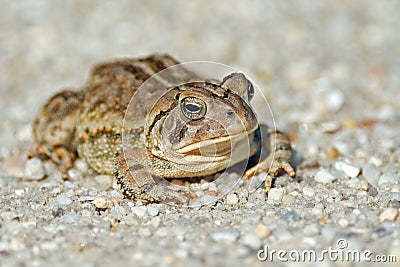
x: 262, y: 231
x: 349, y: 169
x: 323, y: 176
x: 311, y: 230
x: 310, y: 241
x: 155, y: 222
x: 116, y: 194
x: 71, y: 218
x: 291, y: 216
x: 139, y: 211
x: 74, y: 174
x: 8, y: 215
x: 229, y: 235
x: 203, y: 200
x: 389, y: 214
x: 326, y: 97
x: 309, y: 191
x: 358, y: 184
x: 49, y: 167
x: 63, y: 200
x: 106, y: 180
x: 34, y: 169
x: 118, y: 211
x: 252, y: 241
x: 152, y: 210
x: 330, y: 127
x: 162, y: 232
x: 81, y: 165
x: 86, y: 198
x: 103, y: 202
x: 331, y: 153
x: 276, y: 194
x: 388, y: 178
x: 371, y: 173
x: 69, y: 184
x: 335, y: 100
x: 232, y: 199
x: 288, y: 199
x: 19, y: 192
x: 343, y: 222
x: 376, y: 161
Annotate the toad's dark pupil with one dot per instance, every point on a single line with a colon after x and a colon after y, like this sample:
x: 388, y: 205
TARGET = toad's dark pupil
x: 192, y: 108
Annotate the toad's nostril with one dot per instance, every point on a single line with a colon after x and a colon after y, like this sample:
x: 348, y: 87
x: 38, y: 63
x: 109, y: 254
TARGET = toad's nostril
x: 230, y: 112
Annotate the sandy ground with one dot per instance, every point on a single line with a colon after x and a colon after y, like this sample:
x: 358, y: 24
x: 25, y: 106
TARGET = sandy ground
x: 330, y: 70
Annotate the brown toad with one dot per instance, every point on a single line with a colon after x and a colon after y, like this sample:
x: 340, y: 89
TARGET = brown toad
x: 171, y: 130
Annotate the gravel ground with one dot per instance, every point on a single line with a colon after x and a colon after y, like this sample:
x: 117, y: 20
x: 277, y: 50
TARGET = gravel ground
x: 330, y: 70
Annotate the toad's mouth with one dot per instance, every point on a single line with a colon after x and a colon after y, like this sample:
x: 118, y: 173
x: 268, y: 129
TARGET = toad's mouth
x: 216, y: 149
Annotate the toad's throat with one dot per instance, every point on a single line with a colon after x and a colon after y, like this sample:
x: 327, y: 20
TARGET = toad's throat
x: 220, y: 146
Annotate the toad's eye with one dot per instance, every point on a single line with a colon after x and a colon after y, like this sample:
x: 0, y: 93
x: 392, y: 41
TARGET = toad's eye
x: 193, y: 108
x: 250, y: 90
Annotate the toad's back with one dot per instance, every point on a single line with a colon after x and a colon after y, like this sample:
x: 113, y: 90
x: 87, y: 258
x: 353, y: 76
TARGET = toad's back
x: 90, y: 120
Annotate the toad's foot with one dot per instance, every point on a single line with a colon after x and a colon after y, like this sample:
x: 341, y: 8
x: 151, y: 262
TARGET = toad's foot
x: 138, y: 184
x: 59, y: 155
x: 278, y: 160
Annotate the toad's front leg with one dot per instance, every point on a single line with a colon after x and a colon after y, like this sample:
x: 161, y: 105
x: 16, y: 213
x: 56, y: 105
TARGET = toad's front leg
x: 138, y: 184
x: 278, y: 159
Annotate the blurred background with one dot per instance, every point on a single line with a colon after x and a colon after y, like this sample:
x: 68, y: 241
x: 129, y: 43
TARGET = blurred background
x: 314, y: 60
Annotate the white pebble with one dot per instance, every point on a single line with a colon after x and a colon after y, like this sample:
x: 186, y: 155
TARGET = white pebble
x: 155, y: 222
x: 103, y: 202
x: 311, y: 230
x: 354, y: 183
x: 288, y: 199
x: 343, y: 222
x: 68, y: 184
x: 252, y: 241
x: 139, y: 211
x: 162, y: 232
x: 4, y: 246
x: 389, y: 214
x: 71, y: 218
x: 309, y: 191
x: 152, y: 210
x: 232, y: 199
x: 335, y: 100
x: 63, y: 200
x: 116, y: 194
x: 86, y: 198
x: 376, y: 161
x: 74, y: 174
x: 276, y: 194
x: 371, y: 174
x: 49, y: 167
x: 19, y: 192
x: 327, y: 98
x: 226, y: 235
x: 34, y: 169
x: 349, y: 169
x: 81, y: 165
x: 330, y: 126
x: 388, y: 178
x: 262, y: 231
x: 323, y: 176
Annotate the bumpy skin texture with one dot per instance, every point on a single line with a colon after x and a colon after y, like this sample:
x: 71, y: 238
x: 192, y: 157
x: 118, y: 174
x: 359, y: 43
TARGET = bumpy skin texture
x: 178, y: 125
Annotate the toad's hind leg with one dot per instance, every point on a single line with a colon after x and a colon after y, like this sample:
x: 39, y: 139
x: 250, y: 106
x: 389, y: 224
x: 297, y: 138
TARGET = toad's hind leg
x: 278, y: 159
x: 54, y: 129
